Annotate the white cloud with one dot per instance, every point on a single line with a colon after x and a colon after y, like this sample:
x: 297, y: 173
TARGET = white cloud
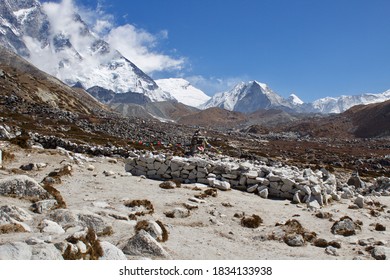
x: 138, y: 46
x: 213, y: 85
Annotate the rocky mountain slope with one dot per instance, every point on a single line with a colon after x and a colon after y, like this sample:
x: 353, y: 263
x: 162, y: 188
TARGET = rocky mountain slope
x: 22, y: 81
x: 183, y: 91
x: 71, y: 51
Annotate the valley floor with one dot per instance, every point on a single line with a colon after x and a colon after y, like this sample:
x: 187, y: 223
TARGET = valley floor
x: 210, y: 232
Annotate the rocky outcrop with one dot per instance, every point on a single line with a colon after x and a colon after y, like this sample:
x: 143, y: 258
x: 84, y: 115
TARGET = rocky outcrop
x: 22, y: 186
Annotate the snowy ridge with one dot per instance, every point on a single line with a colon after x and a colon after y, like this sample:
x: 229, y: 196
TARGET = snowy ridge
x: 340, y: 104
x: 183, y: 91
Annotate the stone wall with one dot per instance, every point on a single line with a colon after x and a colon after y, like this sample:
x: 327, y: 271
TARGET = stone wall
x: 289, y: 182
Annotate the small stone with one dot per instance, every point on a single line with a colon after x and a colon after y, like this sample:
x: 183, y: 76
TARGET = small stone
x: 264, y: 193
x: 359, y: 201
x: 320, y: 242
x: 331, y: 251
x: 380, y: 253
x: 294, y: 240
x: 108, y: 173
x: 190, y: 206
x: 91, y: 167
x: 178, y: 213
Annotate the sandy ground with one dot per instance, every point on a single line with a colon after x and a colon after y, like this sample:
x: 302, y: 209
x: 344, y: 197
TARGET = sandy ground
x: 211, y: 231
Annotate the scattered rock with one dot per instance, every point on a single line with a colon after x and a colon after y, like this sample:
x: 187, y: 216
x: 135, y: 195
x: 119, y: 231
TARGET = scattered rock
x: 323, y: 215
x: 143, y: 244
x: 190, y: 206
x: 331, y: 251
x: 294, y: 240
x: 178, y: 213
x: 320, y: 242
x: 91, y: 167
x: 359, y: 201
x: 380, y: 253
x: 345, y: 226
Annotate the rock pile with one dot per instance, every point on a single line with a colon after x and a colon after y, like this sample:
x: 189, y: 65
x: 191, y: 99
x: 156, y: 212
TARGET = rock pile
x: 315, y: 188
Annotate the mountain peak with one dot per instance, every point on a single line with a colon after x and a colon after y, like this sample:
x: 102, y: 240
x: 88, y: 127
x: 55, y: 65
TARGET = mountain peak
x: 247, y: 98
x: 262, y: 85
x: 295, y: 99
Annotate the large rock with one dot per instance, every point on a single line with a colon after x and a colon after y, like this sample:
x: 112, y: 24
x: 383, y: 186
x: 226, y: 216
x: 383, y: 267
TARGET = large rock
x: 50, y: 227
x: 45, y: 251
x: 16, y: 213
x: 15, y: 251
x: 111, y: 252
x: 22, y: 186
x: 142, y: 244
x: 221, y: 185
x: 92, y: 221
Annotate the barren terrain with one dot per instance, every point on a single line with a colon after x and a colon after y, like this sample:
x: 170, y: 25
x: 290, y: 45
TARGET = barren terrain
x: 211, y: 231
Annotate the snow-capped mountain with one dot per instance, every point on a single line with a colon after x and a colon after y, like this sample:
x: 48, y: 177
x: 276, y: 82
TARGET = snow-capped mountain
x: 295, y: 100
x: 183, y: 91
x: 247, y: 98
x: 64, y: 46
x: 329, y: 105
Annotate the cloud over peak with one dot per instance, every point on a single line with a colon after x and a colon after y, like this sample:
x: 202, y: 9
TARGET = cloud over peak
x: 136, y: 44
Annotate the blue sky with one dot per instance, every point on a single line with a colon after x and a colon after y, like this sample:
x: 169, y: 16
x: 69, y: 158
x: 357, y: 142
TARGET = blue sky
x: 307, y: 47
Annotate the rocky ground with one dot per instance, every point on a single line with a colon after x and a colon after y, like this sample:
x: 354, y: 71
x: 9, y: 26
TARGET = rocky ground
x: 89, y: 207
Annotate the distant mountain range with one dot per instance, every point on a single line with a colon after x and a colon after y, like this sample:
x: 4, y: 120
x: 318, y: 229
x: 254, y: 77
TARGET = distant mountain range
x: 79, y: 58
x: 253, y: 96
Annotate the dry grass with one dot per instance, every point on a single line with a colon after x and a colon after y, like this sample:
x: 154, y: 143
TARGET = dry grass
x: 138, y: 203
x: 164, y: 231
x: 167, y: 185
x: 8, y: 156
x: 94, y: 249
x: 56, y: 194
x: 207, y: 193
x: 11, y: 228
